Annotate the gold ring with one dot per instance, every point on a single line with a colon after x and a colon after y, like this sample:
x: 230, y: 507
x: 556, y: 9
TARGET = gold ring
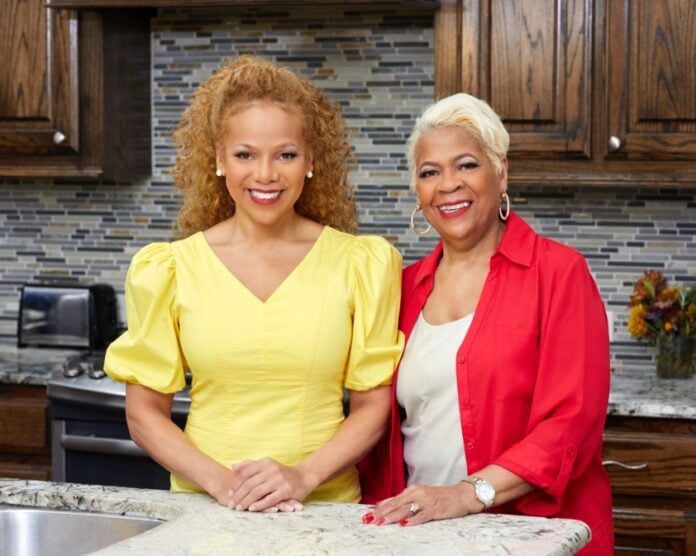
x: 414, y: 508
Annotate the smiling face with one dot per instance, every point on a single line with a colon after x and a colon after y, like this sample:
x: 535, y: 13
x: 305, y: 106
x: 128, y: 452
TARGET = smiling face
x: 457, y: 186
x: 264, y: 158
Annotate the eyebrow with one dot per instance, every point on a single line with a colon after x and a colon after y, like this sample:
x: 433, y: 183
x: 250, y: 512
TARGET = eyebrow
x: 454, y: 158
x: 281, y: 146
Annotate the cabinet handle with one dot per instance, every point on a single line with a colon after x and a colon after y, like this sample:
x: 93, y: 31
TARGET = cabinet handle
x: 614, y: 143
x: 58, y: 137
x: 608, y: 462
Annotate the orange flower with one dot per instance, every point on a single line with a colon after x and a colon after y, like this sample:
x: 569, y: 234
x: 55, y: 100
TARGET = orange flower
x: 668, y: 326
x: 648, y: 287
x: 669, y: 294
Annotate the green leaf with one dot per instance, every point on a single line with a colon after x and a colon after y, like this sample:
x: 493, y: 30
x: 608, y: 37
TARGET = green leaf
x: 649, y: 286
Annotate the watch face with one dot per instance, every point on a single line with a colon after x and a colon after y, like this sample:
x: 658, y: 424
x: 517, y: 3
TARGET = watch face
x: 485, y: 492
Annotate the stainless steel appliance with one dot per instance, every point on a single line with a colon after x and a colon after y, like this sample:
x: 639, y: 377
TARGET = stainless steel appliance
x: 90, y: 442
x: 70, y: 316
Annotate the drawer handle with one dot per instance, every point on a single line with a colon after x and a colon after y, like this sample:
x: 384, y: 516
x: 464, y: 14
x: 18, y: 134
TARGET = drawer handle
x: 608, y: 462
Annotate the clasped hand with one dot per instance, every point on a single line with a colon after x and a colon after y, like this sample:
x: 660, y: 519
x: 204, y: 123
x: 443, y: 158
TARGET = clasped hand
x: 267, y: 485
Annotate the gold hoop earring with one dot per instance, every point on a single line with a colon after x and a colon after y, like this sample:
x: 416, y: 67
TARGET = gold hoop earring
x: 504, y: 215
x: 416, y: 230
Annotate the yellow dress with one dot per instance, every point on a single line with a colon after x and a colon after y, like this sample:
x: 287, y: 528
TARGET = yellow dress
x: 267, y: 377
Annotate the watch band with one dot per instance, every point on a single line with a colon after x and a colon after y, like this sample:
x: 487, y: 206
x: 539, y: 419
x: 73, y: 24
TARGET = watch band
x: 483, y: 490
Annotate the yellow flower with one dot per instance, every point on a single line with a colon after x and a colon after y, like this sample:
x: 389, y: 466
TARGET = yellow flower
x: 636, y: 321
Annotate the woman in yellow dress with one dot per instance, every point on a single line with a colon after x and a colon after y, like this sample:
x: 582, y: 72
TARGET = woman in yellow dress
x: 268, y: 301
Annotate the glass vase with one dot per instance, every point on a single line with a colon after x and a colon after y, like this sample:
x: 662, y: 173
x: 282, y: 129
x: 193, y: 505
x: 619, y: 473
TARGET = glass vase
x: 676, y: 356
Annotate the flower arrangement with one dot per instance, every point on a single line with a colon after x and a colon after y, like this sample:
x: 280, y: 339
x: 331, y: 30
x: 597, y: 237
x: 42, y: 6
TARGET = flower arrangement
x: 658, y: 309
x: 665, y: 316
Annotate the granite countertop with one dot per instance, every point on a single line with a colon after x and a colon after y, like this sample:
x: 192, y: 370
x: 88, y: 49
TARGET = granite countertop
x: 644, y: 394
x: 639, y: 393
x: 29, y: 365
x: 196, y: 524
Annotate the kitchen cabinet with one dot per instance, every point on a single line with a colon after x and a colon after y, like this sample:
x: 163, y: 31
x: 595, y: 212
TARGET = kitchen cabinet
x: 651, y: 464
x: 227, y: 3
x: 592, y: 91
x: 24, y: 436
x: 75, y: 95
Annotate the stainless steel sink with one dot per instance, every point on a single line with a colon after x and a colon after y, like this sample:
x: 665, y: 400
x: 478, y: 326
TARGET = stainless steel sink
x: 28, y: 531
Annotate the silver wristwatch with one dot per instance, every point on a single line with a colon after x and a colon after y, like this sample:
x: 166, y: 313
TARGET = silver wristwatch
x: 484, y: 491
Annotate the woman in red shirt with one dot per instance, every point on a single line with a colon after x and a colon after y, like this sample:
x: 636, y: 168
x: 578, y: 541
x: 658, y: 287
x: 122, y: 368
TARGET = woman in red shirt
x: 501, y: 394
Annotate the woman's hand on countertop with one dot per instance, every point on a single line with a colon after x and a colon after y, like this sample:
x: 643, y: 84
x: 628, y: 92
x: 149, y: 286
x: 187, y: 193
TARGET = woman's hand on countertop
x: 420, y: 503
x: 265, y: 484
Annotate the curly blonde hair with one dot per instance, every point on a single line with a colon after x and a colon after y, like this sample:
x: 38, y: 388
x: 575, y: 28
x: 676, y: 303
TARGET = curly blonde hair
x: 327, y: 198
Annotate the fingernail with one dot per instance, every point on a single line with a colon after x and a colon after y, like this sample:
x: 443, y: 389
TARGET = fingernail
x: 403, y: 522
x: 369, y: 517
x: 238, y: 507
x: 252, y: 509
x: 380, y: 521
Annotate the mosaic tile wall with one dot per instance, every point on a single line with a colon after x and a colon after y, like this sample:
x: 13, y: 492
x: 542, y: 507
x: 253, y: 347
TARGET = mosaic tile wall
x: 378, y: 63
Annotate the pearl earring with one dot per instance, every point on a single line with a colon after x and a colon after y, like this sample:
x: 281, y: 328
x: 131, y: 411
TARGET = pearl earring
x: 218, y: 173
x: 310, y: 174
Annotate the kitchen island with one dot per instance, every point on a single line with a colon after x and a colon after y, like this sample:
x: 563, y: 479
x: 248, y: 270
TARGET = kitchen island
x: 196, y: 524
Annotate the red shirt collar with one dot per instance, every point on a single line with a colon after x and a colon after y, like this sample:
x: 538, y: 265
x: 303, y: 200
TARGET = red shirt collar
x: 516, y: 245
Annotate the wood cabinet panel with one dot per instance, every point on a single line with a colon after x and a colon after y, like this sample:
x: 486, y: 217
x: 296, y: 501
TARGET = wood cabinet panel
x: 30, y: 468
x: 24, y: 432
x: 654, y: 506
x: 89, y: 4
x: 22, y: 424
x: 23, y: 419
x: 530, y: 60
x: 39, y: 96
x: 75, y: 100
x: 654, y: 532
x: 652, y: 78
x: 664, y: 463
x: 592, y: 91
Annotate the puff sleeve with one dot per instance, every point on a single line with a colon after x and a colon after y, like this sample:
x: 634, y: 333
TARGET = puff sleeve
x: 376, y: 286
x: 148, y: 352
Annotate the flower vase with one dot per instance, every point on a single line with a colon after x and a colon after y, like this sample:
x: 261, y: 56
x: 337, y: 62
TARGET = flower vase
x: 676, y: 356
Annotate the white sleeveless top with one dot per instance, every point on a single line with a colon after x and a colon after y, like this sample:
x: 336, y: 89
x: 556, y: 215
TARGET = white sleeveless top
x: 427, y: 390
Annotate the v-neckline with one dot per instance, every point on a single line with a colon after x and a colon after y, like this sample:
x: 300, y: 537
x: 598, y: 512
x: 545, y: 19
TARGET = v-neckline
x: 280, y: 285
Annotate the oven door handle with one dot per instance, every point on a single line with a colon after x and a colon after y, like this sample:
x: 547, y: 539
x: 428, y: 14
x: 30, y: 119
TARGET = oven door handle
x: 101, y: 445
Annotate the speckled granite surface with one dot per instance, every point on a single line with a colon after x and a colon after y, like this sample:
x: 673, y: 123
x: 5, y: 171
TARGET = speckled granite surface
x: 195, y: 524
x: 644, y: 394
x: 29, y: 365
x: 637, y: 393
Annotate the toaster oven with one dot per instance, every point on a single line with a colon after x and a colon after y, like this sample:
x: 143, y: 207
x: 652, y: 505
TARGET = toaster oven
x: 67, y: 316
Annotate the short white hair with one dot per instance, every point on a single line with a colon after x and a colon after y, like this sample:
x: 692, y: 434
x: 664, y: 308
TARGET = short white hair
x: 470, y: 114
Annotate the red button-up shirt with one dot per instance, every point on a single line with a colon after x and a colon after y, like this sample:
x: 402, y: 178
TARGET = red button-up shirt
x: 532, y: 378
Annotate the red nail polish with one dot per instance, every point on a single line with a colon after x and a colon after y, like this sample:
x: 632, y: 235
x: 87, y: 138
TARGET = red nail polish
x: 369, y: 517
x: 380, y: 521
x: 403, y: 522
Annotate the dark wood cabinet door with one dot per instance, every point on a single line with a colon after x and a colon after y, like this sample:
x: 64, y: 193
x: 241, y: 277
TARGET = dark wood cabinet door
x: 74, y: 92
x: 530, y: 60
x: 651, y: 79
x: 39, y: 92
x: 654, y: 532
